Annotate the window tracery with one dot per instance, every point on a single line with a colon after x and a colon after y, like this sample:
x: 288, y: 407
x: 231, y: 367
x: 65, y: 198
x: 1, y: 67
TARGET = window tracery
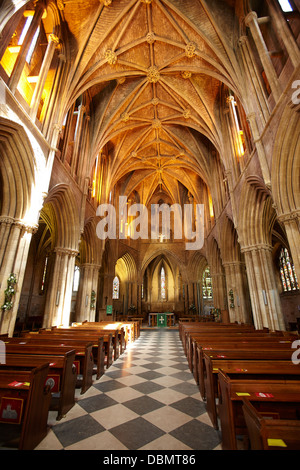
x: 287, y: 272
x: 116, y: 288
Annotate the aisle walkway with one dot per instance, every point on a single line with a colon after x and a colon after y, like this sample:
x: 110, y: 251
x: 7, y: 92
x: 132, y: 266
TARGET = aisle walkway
x: 147, y: 400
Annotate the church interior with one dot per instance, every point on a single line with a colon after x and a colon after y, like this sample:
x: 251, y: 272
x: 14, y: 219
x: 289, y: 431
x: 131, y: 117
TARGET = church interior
x: 110, y: 106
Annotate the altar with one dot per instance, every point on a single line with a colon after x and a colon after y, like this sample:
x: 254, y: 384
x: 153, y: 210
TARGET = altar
x: 161, y: 319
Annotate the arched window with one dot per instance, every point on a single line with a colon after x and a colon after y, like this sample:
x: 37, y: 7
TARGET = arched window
x: 206, y: 285
x: 76, y: 279
x: 116, y: 288
x: 162, y: 284
x: 28, y: 57
x: 287, y: 272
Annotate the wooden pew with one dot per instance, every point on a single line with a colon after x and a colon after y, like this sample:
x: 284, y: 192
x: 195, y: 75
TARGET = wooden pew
x: 99, y: 349
x: 231, y: 336
x: 231, y: 345
x: 105, y: 337
x: 61, y: 378
x: 83, y: 354
x: 118, y: 330
x: 274, y: 396
x: 114, y: 337
x: 121, y: 328
x: 241, y: 367
x: 137, y: 321
x: 131, y: 327
x: 191, y: 336
x: 25, y: 402
x: 270, y: 434
x: 206, y: 327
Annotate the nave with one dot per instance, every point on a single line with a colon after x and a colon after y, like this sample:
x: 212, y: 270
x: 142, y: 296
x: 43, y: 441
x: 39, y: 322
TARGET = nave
x: 147, y: 400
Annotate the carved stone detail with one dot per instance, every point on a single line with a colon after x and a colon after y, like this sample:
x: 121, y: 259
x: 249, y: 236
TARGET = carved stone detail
x: 111, y: 57
x: 153, y: 74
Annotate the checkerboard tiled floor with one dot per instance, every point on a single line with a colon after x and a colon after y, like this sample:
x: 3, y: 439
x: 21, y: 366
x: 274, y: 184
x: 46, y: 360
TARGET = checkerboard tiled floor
x: 147, y: 400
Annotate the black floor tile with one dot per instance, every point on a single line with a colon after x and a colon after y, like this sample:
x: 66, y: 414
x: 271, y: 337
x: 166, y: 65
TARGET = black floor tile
x: 136, y: 433
x: 190, y: 406
x: 77, y: 429
x: 143, y: 405
x: 197, y: 435
x: 97, y: 402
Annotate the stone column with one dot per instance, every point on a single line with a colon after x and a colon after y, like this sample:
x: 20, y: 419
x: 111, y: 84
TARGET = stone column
x: 265, y: 300
x: 15, y: 243
x: 218, y: 288
x: 254, y: 81
x: 59, y: 295
x: 106, y: 296
x: 260, y: 150
x: 231, y: 185
x: 251, y: 21
x: 89, y: 274
x: 77, y: 137
x: 21, y: 59
x: 240, y: 311
x: 53, y: 41
x: 139, y: 293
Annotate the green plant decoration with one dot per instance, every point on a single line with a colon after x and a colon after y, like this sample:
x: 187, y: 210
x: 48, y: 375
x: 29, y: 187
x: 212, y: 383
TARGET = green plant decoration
x: 9, y: 292
x: 93, y: 299
x: 231, y: 298
x: 216, y: 313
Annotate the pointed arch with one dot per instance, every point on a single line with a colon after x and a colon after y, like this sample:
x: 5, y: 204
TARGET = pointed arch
x: 229, y: 244
x: 66, y: 214
x: 91, y: 247
x: 256, y: 223
x: 285, y: 172
x: 18, y: 170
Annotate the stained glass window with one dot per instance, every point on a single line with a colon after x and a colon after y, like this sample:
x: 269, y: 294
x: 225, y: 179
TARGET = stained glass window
x: 162, y: 284
x: 116, y: 288
x: 206, y: 285
x: 76, y: 279
x: 287, y: 272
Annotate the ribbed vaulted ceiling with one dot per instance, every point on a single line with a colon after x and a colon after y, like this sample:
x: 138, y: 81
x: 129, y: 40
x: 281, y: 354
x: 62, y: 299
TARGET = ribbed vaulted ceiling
x: 155, y: 71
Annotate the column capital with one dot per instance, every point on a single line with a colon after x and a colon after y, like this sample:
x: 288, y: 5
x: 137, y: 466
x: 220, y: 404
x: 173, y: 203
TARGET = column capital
x: 287, y: 217
x: 242, y: 40
x: 256, y: 247
x: 66, y: 251
x: 53, y: 38
x: 6, y: 219
x: 250, y: 18
x: 90, y: 265
x: 233, y: 264
x: 18, y: 223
